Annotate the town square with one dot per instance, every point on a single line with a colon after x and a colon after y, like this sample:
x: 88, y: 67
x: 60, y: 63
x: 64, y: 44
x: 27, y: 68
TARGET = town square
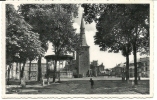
x: 75, y: 48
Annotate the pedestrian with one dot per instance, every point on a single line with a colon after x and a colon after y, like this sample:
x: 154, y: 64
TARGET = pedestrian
x: 92, y: 83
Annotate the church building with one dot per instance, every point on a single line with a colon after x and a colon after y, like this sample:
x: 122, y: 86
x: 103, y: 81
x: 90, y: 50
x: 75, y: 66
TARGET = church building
x: 83, y: 56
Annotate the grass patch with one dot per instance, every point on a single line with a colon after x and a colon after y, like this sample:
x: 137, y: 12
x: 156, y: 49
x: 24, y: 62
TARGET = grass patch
x: 100, y: 87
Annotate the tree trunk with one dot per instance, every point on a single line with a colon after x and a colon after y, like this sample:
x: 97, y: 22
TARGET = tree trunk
x: 39, y: 69
x: 135, y: 64
x: 127, y: 68
x: 47, y: 73
x: 12, y: 71
x: 6, y: 73
x: 54, y: 73
x: 16, y: 69
x: 59, y: 72
x: 9, y: 73
x: 20, y: 71
x: 23, y: 82
x: 30, y: 70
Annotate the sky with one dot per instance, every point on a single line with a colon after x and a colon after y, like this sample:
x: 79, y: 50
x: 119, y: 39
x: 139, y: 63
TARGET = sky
x: 109, y: 60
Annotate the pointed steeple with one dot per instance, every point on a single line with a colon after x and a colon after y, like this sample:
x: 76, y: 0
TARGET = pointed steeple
x: 82, y: 23
x: 82, y: 33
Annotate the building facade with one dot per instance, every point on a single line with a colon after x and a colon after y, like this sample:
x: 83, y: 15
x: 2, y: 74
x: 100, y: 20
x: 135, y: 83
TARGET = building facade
x: 31, y: 73
x: 95, y: 69
x: 142, y: 67
x: 82, y: 57
x: 100, y: 69
x: 118, y: 70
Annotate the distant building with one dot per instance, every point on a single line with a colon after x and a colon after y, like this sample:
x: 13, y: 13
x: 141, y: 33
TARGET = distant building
x: 145, y: 67
x: 101, y: 69
x: 108, y: 72
x: 94, y: 63
x: 15, y: 71
x: 117, y: 70
x: 66, y: 70
x: 95, y: 69
x: 142, y: 67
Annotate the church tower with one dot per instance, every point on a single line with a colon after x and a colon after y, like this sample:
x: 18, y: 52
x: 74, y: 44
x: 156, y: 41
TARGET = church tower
x: 82, y: 57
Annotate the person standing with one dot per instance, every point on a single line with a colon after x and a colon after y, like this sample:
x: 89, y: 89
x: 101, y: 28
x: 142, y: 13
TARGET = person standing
x: 92, y: 83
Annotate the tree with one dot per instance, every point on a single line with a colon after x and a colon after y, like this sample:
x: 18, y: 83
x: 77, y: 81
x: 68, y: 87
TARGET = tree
x: 38, y: 16
x: 21, y: 43
x: 63, y: 35
x: 43, y: 19
x: 15, y: 26
x: 111, y: 37
x: 37, y: 22
x: 32, y: 49
x: 140, y: 31
x: 119, y: 23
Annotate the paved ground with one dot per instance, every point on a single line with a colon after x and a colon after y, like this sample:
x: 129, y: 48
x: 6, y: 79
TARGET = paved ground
x: 83, y: 87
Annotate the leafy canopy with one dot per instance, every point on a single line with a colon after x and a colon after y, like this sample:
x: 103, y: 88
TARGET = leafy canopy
x: 20, y: 40
x: 119, y: 25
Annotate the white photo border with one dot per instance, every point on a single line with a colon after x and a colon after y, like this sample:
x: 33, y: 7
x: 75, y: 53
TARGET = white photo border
x: 151, y: 87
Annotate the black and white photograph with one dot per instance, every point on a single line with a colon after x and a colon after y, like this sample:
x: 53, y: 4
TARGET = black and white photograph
x: 78, y: 48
